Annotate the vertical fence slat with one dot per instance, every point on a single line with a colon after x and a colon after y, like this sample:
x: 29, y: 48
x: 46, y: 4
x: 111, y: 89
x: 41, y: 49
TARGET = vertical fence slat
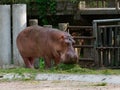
x: 116, y: 44
x: 110, y: 54
x: 110, y: 37
x: 95, y: 34
x: 99, y: 36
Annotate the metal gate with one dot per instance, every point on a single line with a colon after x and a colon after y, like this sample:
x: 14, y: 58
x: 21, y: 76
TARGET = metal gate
x: 107, y: 43
x: 102, y: 46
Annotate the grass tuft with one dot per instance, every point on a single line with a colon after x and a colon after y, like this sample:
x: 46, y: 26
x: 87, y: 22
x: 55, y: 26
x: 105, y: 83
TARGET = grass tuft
x: 100, y: 84
x: 62, y: 68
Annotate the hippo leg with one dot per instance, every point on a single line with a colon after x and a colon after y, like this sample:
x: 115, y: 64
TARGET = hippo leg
x: 56, y: 61
x: 47, y: 62
x: 29, y: 62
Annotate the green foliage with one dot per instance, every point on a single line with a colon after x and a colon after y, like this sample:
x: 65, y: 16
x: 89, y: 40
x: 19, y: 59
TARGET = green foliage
x: 13, y: 1
x: 74, y: 1
x: 76, y: 69
x: 18, y: 70
x: 43, y: 7
x: 42, y: 63
x: 46, y: 7
x: 65, y: 67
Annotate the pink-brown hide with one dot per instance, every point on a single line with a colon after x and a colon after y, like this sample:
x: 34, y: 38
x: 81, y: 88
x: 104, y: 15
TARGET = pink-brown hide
x: 51, y: 44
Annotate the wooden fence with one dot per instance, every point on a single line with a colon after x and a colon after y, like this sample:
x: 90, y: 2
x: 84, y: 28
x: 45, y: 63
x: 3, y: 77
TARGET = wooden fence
x: 99, y: 43
x: 84, y: 45
x: 109, y: 45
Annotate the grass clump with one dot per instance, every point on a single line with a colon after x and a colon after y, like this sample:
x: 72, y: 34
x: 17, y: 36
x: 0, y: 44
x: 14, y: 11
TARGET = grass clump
x: 18, y: 70
x: 100, y: 84
x: 62, y: 68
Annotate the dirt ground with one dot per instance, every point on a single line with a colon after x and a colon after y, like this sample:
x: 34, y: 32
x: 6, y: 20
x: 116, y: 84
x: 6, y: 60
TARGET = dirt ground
x: 54, y: 85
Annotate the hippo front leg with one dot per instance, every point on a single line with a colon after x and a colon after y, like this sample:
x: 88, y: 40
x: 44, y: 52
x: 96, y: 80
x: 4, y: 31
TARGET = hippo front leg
x: 56, y: 61
x: 47, y: 62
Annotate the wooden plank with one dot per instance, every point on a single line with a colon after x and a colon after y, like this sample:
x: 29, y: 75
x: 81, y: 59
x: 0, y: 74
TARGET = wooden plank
x: 108, y: 26
x: 104, y: 57
x: 111, y: 57
x: 116, y: 44
x: 114, y: 67
x: 115, y: 36
x: 107, y: 57
x: 83, y: 37
x: 110, y: 37
x: 86, y: 59
x: 83, y: 46
x: 98, y: 11
x: 79, y: 27
x: 100, y: 33
x: 108, y: 47
x: 104, y: 37
x: 100, y: 58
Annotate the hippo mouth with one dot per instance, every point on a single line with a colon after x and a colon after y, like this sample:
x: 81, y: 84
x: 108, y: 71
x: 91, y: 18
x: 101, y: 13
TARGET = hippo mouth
x: 67, y: 59
x: 60, y: 55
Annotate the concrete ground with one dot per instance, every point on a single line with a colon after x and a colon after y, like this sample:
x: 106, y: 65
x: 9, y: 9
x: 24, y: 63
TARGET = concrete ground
x: 60, y: 82
x: 55, y: 85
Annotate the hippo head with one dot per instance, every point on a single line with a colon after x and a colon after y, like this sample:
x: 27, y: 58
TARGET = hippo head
x: 67, y: 52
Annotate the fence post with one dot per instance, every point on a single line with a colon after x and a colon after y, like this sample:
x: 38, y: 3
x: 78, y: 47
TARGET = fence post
x: 31, y: 23
x: 19, y: 23
x: 63, y: 26
x: 47, y: 26
x: 95, y: 43
x: 5, y: 35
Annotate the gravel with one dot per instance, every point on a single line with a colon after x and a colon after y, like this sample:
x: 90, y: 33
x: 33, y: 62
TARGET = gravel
x: 59, y: 82
x: 113, y: 79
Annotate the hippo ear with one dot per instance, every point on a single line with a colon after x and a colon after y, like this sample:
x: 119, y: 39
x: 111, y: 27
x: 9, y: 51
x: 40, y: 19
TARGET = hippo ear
x: 62, y: 38
x: 65, y: 39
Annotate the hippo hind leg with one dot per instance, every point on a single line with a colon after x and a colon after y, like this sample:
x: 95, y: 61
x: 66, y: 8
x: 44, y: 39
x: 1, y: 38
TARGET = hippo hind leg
x: 29, y: 62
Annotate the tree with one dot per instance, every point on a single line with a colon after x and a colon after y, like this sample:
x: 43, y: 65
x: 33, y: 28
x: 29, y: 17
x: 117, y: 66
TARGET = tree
x: 45, y: 8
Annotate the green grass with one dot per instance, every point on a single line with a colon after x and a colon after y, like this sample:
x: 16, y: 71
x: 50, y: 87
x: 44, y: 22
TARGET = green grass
x: 100, y: 84
x: 62, y: 68
x: 18, y: 70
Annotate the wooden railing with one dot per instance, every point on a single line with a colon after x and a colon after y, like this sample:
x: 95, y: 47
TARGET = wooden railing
x: 68, y: 7
x: 87, y: 7
x: 83, y: 44
x: 99, y: 4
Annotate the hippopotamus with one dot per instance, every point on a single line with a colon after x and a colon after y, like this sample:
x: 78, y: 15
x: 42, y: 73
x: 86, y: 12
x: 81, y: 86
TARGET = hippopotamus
x: 51, y: 44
